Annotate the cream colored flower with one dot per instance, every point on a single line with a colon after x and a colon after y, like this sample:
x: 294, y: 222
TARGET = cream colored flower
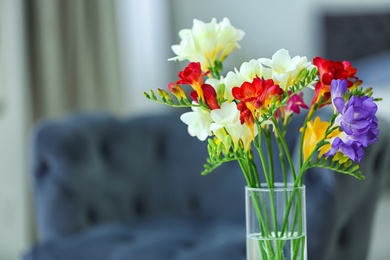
x: 228, y: 36
x: 226, y: 121
x: 285, y: 69
x: 198, y: 122
x: 207, y: 42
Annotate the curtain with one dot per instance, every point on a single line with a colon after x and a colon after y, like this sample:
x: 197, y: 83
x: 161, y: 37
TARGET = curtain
x: 61, y: 56
x: 73, y: 60
x: 16, y: 225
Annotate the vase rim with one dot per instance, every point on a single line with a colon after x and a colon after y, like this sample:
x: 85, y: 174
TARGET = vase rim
x: 278, y: 186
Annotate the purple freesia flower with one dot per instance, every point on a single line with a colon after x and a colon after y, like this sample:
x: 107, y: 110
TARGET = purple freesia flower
x: 352, y: 149
x: 337, y: 88
x: 358, y: 121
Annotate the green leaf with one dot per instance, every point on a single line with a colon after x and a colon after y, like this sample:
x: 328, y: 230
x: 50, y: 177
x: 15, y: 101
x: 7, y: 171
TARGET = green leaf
x: 348, y: 167
x: 210, y: 166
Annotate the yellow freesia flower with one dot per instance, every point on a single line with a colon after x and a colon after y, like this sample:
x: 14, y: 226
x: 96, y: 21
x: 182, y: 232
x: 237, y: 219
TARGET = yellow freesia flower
x: 315, y: 132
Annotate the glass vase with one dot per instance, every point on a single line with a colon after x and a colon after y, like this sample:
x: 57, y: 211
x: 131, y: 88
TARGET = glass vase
x: 276, y: 222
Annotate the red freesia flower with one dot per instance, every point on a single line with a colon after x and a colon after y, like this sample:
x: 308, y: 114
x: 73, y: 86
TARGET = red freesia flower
x: 192, y: 75
x: 176, y: 90
x: 210, y: 96
x: 246, y: 115
x: 329, y: 70
x: 255, y: 96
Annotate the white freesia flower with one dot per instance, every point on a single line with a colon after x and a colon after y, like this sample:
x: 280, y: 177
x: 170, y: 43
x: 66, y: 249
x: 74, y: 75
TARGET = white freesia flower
x: 215, y: 83
x: 301, y: 63
x: 198, y: 122
x: 247, y: 72
x: 187, y: 50
x: 227, y: 121
x: 285, y: 69
x: 228, y: 36
x: 207, y: 42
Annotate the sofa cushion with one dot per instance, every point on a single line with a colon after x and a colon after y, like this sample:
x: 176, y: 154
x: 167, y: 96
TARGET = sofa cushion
x: 162, y: 238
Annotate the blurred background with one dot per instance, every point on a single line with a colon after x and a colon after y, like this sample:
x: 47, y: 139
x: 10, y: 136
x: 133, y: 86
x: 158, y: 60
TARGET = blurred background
x: 59, y: 57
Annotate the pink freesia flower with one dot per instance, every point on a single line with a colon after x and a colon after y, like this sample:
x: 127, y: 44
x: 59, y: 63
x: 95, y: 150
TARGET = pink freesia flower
x: 295, y: 103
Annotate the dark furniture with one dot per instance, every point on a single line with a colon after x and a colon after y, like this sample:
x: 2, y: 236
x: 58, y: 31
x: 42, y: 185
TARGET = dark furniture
x: 114, y: 188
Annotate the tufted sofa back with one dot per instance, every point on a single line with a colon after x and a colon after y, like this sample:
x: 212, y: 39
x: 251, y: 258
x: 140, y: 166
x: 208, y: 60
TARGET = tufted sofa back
x: 93, y: 168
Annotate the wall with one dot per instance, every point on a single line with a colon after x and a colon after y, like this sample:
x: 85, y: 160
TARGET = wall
x: 271, y: 24
x: 145, y: 39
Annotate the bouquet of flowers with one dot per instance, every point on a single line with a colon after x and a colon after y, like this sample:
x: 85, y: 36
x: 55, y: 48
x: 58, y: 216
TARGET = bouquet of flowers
x: 245, y: 108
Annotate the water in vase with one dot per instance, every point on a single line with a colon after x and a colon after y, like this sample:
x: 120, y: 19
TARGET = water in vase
x: 288, y: 247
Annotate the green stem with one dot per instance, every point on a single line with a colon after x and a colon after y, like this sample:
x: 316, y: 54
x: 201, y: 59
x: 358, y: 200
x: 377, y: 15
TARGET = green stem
x: 282, y: 161
x: 258, y: 145
x: 263, y: 222
x: 267, y: 134
x: 249, y: 169
x: 252, y: 169
x: 285, y: 147
x: 307, y: 163
x: 298, y: 183
x: 298, y: 217
x: 245, y: 172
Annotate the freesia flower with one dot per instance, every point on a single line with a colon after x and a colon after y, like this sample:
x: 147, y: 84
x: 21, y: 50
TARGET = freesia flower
x: 207, y: 42
x: 356, y: 118
x: 210, y: 96
x: 315, y: 132
x: 337, y: 89
x: 247, y: 72
x: 293, y: 105
x: 198, y: 122
x: 192, y: 75
x: 295, y: 102
x: 207, y: 92
x: 284, y: 69
x: 228, y: 38
x: 226, y: 120
x: 349, y: 148
x: 329, y: 70
x: 176, y: 90
x: 255, y: 97
x: 359, y: 124
x: 220, y: 88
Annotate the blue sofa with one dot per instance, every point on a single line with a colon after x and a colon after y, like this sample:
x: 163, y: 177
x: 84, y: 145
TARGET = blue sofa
x: 130, y: 188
